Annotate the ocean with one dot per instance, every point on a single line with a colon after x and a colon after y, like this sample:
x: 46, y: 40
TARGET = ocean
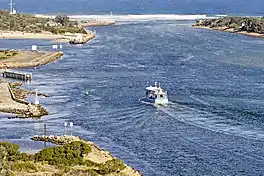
x: 236, y: 7
x: 214, y: 123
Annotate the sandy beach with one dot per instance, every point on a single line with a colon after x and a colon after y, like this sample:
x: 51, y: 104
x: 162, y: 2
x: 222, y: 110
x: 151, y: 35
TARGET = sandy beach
x: 45, y: 36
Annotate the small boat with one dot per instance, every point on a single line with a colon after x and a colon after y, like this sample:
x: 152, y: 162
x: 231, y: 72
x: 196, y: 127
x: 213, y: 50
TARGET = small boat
x: 155, y: 95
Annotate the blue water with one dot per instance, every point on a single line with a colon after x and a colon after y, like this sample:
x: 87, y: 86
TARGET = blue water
x: 235, y: 7
x: 214, y: 124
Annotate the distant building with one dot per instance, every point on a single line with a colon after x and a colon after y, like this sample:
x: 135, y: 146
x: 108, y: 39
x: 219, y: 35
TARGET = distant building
x: 12, y: 9
x: 51, y: 24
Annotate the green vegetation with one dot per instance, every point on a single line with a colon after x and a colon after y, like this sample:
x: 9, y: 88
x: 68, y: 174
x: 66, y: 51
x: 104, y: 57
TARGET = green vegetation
x: 20, y: 166
x: 114, y: 165
x: 30, y: 23
x: 87, y: 172
x: 5, y: 54
x: 69, y: 154
x: 64, y: 158
x: 249, y: 24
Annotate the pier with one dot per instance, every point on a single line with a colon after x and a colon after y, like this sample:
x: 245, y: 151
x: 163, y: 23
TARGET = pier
x: 58, y: 140
x: 17, y: 75
x: 82, y: 39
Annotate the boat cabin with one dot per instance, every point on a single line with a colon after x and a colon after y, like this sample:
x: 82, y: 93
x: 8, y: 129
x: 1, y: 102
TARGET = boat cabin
x: 155, y: 92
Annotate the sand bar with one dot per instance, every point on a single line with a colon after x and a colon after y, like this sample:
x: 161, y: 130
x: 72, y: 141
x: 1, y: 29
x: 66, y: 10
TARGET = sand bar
x: 46, y: 36
x: 29, y: 59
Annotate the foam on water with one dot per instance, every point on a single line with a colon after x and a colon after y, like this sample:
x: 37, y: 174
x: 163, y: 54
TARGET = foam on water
x: 209, y: 121
x: 130, y: 17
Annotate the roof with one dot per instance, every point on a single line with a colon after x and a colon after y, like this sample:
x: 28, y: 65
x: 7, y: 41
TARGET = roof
x: 153, y: 88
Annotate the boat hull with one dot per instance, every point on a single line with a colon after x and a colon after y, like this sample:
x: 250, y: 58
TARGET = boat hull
x: 154, y: 101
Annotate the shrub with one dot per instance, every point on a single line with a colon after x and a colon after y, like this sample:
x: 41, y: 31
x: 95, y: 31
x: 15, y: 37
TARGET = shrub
x: 30, y: 23
x: 22, y: 157
x: 114, y: 165
x: 24, y: 167
x: 90, y: 163
x: 12, y: 149
x: 69, y: 154
x: 89, y: 172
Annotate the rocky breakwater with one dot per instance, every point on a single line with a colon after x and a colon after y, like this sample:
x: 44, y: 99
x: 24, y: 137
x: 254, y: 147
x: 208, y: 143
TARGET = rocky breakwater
x: 58, y: 140
x: 11, y: 103
x: 77, y: 38
x: 93, y: 22
x: 19, y: 95
x: 251, y: 26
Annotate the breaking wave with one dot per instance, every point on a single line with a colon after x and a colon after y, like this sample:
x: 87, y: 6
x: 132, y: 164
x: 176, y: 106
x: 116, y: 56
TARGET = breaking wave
x: 150, y: 17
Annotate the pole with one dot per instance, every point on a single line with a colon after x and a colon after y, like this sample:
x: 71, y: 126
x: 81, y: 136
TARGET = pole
x: 65, y: 125
x: 45, y: 134
x: 71, y: 125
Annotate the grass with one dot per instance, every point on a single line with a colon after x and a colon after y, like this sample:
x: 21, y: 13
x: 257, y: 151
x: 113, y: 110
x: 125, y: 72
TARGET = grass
x: 6, y: 54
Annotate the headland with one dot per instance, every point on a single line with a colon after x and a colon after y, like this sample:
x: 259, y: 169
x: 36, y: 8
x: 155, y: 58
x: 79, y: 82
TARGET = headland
x: 59, y: 29
x: 74, y: 157
x: 250, y: 26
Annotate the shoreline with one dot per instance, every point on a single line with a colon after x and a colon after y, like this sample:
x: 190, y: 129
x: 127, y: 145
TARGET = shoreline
x: 97, y: 154
x: 231, y: 30
x: 58, y: 38
x: 74, y: 157
x: 30, y: 59
x: 12, y: 102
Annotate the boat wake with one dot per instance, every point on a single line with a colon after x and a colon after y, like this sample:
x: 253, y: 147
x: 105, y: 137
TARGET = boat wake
x: 211, y: 121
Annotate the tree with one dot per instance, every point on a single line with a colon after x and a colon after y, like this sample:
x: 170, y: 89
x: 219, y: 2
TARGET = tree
x: 62, y: 19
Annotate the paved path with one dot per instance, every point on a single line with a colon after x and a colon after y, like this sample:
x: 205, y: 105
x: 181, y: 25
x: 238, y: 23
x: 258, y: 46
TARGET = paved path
x: 6, y: 102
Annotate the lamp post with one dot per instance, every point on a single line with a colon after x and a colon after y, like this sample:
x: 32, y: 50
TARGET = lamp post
x: 71, y: 125
x: 65, y: 125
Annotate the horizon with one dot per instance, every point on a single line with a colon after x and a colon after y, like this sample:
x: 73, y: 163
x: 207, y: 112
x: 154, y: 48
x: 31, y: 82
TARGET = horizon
x: 138, y: 7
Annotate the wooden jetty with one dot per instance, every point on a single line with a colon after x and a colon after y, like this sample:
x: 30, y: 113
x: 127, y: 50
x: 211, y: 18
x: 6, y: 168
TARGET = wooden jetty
x: 17, y: 75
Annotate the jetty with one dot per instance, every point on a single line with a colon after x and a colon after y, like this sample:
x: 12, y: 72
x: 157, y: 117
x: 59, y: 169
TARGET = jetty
x: 58, y: 140
x: 17, y: 75
x: 97, y: 22
x: 82, y: 39
x: 10, y: 103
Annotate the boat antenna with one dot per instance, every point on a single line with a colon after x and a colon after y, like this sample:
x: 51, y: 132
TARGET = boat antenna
x: 159, y: 85
x: 155, y: 84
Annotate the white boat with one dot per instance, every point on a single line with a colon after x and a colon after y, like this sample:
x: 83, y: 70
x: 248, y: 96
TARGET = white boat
x: 155, y: 95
